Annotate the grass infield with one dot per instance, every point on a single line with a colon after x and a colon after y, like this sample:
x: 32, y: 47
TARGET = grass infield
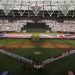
x: 59, y: 67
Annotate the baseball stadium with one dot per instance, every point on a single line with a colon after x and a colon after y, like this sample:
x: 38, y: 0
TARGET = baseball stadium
x: 37, y: 37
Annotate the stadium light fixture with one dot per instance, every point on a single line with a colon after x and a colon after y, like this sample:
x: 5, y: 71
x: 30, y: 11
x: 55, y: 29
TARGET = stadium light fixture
x: 22, y: 8
x: 64, y: 7
x: 36, y: 8
x: 7, y: 6
x: 49, y: 9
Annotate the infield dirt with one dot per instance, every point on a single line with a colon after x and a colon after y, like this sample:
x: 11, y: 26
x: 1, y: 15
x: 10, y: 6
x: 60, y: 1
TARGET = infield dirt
x: 39, y: 44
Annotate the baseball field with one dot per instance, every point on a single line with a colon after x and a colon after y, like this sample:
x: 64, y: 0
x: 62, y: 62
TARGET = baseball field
x: 37, y: 51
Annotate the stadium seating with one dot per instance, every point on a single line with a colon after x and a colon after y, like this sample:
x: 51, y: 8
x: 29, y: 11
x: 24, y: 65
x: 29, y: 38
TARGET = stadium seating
x: 66, y: 26
x: 16, y: 25
x: 6, y: 25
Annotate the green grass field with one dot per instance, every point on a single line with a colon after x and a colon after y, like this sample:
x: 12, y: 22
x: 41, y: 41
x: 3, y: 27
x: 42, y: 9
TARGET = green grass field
x: 59, y: 67
x: 4, y: 42
x: 64, y: 41
x: 30, y: 53
x: 61, y: 41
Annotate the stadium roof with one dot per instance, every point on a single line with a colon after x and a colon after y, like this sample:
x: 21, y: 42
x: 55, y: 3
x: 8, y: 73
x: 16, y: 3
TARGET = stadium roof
x: 37, y: 5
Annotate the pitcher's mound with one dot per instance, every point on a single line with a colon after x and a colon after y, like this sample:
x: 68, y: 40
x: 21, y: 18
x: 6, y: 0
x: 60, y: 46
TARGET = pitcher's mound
x: 37, y: 52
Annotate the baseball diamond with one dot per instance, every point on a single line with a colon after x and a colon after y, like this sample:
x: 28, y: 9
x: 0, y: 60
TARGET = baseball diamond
x: 37, y: 37
x: 37, y: 51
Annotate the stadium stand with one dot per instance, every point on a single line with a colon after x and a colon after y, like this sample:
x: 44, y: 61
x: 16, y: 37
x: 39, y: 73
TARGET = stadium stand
x: 66, y: 26
x: 17, y: 26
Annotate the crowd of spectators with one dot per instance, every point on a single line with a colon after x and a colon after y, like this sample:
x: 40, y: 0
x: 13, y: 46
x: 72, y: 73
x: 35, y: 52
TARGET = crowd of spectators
x: 65, y: 26
x: 16, y: 25
x: 54, y: 25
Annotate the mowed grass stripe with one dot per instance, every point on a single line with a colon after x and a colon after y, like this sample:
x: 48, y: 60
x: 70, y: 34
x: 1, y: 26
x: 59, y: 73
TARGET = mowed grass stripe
x: 59, y: 67
x: 4, y: 42
x: 61, y: 41
x: 30, y: 52
x: 16, y: 41
x: 9, y: 64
